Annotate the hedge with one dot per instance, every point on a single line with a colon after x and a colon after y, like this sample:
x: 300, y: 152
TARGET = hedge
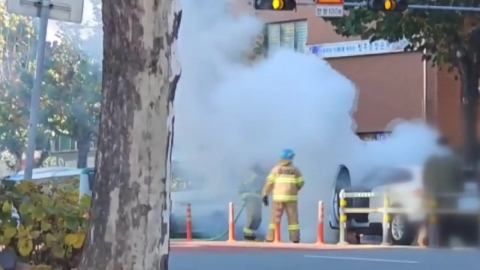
x: 50, y: 227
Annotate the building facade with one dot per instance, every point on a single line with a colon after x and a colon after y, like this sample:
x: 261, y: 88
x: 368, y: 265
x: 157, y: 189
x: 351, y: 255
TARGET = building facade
x: 64, y: 153
x: 391, y: 83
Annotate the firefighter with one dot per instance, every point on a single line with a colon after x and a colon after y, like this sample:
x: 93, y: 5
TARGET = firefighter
x: 284, y: 182
x: 251, y: 192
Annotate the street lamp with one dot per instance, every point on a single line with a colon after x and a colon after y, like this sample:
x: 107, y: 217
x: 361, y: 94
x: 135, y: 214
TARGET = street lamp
x: 61, y: 10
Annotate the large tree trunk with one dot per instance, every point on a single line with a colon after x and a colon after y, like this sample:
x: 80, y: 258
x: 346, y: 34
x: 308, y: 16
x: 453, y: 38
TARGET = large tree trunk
x: 83, y: 147
x: 130, y: 215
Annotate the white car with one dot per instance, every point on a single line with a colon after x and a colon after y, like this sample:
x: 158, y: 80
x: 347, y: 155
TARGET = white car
x: 404, y: 180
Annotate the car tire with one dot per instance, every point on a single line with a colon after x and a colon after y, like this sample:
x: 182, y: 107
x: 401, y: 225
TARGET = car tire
x: 342, y: 181
x: 401, y: 232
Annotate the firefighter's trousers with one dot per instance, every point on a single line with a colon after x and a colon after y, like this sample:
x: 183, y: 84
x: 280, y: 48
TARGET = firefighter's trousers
x: 253, y: 211
x: 291, y: 209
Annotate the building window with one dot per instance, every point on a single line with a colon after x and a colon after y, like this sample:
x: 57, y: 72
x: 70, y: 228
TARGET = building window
x: 291, y: 35
x: 373, y: 136
x: 62, y: 144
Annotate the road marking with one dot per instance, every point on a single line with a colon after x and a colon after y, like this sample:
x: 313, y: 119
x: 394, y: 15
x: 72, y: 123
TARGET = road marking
x: 360, y: 259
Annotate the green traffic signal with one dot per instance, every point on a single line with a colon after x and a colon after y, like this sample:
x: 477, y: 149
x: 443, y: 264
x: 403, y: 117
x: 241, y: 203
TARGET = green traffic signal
x: 278, y: 5
x: 388, y: 5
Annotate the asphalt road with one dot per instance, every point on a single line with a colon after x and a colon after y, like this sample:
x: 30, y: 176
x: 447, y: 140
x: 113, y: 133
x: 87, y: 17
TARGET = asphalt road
x: 372, y: 259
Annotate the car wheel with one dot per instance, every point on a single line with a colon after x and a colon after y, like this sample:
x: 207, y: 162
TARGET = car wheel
x: 401, y: 232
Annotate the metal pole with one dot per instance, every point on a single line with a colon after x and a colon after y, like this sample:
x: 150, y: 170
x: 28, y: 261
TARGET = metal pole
x: 342, y: 219
x: 427, y: 7
x: 478, y: 227
x: 433, y: 233
x: 35, y: 98
x: 385, y: 220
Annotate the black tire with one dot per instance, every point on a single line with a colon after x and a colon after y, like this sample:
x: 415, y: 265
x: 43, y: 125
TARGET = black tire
x: 342, y: 181
x: 407, y: 236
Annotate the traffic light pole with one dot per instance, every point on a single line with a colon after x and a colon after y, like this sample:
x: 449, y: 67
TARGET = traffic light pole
x: 424, y: 7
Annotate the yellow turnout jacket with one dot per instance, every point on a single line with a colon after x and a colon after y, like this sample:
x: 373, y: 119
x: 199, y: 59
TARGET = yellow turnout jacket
x: 284, y: 182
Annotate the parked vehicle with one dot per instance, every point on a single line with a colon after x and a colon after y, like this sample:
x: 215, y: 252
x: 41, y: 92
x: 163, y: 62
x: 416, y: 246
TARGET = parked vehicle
x: 78, y: 178
x: 397, y: 180
x: 210, y: 218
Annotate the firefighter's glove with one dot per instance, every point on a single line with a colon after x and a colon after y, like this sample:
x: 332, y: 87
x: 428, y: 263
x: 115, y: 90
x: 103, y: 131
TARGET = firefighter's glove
x: 265, y: 200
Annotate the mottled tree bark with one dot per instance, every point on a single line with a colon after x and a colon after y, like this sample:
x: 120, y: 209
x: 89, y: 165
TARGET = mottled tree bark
x: 130, y: 210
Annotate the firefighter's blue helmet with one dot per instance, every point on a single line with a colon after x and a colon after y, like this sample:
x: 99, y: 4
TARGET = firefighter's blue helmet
x: 287, y: 154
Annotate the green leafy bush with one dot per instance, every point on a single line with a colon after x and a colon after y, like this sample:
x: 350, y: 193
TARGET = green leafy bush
x: 50, y: 228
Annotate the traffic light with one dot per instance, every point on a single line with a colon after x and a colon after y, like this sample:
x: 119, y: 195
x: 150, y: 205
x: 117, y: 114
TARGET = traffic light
x: 388, y: 5
x: 275, y: 4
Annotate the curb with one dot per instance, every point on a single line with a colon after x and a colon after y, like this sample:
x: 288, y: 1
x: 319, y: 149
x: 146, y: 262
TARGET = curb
x: 263, y: 245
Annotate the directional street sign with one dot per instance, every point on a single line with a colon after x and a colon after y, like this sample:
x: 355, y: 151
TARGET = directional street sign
x: 329, y: 8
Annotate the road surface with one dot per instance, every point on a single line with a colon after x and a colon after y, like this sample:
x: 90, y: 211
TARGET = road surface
x: 208, y: 258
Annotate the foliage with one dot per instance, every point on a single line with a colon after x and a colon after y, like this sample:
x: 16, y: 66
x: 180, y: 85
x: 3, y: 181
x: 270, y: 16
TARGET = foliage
x: 73, y: 88
x: 70, y: 92
x: 447, y: 38
x: 81, y: 101
x: 17, y: 43
x: 51, y: 227
x: 88, y: 36
x: 440, y: 33
x: 74, y: 95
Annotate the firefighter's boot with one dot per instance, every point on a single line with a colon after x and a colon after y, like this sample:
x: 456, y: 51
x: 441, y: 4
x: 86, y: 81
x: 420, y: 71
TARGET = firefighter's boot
x: 249, y: 235
x: 249, y: 238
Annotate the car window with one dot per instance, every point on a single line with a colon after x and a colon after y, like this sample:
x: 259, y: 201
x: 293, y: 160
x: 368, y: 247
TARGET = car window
x: 389, y: 175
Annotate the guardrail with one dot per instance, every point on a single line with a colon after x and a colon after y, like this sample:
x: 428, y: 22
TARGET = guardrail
x: 431, y: 211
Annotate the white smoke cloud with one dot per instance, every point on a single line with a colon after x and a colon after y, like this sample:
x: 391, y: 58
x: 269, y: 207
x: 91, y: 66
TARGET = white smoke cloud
x: 229, y: 116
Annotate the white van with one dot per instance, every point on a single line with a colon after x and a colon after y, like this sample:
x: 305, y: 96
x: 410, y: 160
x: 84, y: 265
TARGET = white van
x: 84, y: 177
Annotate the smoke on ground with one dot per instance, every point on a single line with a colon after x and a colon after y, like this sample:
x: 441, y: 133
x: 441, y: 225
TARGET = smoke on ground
x: 230, y: 115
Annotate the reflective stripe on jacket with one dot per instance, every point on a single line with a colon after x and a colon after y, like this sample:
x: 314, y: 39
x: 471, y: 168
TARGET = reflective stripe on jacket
x: 284, y: 181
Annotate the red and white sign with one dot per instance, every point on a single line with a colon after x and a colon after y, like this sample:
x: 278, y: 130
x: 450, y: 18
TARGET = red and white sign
x: 329, y: 8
